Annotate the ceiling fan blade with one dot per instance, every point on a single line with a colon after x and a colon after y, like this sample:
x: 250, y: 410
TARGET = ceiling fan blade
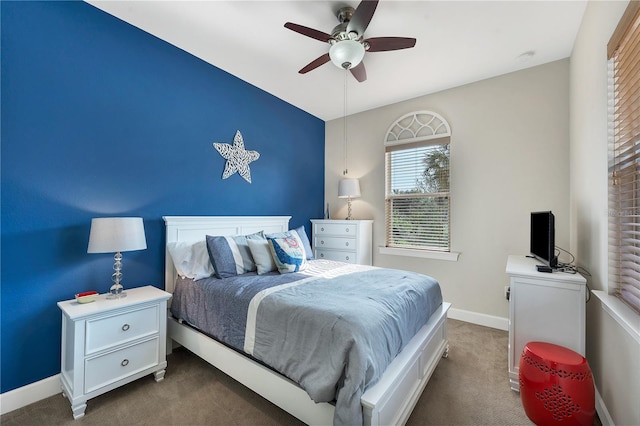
x: 315, y: 63
x: 362, y: 16
x: 383, y: 44
x: 309, y: 32
x: 359, y: 72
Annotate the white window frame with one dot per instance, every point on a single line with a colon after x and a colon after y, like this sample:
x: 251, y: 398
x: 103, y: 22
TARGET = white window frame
x: 423, y: 128
x: 623, y: 154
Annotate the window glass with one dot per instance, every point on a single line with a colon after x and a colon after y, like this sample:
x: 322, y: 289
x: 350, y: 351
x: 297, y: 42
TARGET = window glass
x: 417, y: 195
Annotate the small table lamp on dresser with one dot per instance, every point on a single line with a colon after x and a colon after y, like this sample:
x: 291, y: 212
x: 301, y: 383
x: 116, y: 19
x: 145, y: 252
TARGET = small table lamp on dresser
x: 349, y: 188
x: 115, y: 235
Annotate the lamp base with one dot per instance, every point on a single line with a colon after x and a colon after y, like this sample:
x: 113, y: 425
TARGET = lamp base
x: 349, y: 217
x: 116, y: 292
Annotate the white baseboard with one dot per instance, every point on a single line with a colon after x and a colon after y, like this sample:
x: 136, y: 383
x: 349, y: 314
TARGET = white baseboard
x: 480, y: 319
x: 33, y: 392
x: 603, y: 413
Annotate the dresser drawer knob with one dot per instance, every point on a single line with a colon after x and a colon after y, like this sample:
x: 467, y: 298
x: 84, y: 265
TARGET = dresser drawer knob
x: 346, y: 244
x: 125, y: 327
x: 124, y: 362
x: 346, y: 230
x: 321, y: 241
x: 347, y: 258
x: 321, y: 254
x: 322, y: 229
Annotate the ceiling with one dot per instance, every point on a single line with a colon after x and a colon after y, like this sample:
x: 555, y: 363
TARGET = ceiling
x: 458, y: 42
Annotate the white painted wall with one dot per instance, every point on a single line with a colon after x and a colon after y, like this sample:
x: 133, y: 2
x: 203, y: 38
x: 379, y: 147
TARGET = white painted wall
x: 510, y: 156
x: 613, y: 353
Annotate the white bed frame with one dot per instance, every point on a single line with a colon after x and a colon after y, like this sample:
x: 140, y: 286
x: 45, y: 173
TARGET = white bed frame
x: 389, y: 402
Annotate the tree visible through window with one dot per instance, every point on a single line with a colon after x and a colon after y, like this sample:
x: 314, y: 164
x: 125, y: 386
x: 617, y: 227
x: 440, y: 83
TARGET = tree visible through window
x: 417, y: 190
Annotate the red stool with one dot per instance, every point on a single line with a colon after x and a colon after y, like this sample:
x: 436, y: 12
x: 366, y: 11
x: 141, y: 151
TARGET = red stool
x: 556, y: 385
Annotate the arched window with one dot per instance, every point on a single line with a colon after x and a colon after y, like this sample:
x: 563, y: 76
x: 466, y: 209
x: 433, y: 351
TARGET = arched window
x: 417, y: 201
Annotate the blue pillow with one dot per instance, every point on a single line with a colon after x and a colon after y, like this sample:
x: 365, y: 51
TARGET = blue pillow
x: 288, y: 252
x: 231, y: 256
x: 305, y: 241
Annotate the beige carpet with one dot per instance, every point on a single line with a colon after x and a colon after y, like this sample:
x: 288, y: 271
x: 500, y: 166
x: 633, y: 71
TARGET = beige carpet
x: 471, y: 387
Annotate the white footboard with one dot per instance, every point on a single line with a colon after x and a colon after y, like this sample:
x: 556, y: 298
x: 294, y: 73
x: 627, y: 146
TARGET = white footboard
x: 389, y: 402
x: 393, y: 398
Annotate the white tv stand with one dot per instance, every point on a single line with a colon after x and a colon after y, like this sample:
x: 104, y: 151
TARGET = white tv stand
x: 543, y: 306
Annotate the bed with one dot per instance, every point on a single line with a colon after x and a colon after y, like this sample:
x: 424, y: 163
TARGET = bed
x: 389, y: 401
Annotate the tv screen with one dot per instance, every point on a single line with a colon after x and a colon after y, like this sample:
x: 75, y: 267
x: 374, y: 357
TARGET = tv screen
x: 543, y: 245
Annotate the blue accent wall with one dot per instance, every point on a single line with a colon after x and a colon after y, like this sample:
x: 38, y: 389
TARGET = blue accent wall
x: 102, y: 119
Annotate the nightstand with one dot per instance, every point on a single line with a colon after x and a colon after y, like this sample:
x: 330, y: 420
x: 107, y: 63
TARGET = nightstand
x: 108, y: 343
x: 344, y: 240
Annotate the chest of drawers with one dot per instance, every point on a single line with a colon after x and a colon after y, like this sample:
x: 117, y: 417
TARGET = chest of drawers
x: 108, y: 343
x: 344, y: 240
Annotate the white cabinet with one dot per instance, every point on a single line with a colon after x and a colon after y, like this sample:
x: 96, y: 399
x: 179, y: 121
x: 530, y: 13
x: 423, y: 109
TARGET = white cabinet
x: 546, y: 307
x: 111, y: 342
x: 344, y: 240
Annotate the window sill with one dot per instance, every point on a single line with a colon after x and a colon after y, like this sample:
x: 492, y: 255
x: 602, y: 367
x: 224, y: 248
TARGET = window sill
x: 624, y: 315
x: 425, y: 254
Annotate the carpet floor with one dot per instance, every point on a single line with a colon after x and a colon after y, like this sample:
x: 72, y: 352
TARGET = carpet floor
x: 470, y: 387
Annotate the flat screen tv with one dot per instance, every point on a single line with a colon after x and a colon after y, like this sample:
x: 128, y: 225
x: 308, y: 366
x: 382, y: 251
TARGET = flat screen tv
x: 543, y: 234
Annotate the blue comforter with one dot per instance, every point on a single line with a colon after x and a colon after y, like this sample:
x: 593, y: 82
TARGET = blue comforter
x: 333, y: 331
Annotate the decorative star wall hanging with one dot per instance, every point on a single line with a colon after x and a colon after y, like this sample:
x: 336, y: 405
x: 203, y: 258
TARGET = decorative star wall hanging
x: 237, y: 157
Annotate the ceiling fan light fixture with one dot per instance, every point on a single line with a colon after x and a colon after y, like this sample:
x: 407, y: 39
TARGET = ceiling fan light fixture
x: 346, y: 53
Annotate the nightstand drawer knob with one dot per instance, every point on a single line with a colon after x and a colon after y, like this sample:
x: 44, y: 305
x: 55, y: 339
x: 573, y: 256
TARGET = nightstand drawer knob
x: 125, y: 327
x: 124, y: 362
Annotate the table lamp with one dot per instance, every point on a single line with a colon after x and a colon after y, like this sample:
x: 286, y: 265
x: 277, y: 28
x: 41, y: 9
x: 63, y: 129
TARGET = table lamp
x: 349, y: 188
x: 115, y: 235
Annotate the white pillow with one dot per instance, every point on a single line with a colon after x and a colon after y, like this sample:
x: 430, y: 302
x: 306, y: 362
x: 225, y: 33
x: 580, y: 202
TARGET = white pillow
x: 262, y: 256
x: 191, y: 259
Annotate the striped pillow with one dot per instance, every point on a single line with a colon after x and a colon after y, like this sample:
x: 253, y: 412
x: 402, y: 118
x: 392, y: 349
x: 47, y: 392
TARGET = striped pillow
x: 231, y: 256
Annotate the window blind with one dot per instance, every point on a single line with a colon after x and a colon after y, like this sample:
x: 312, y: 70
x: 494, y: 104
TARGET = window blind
x: 624, y: 157
x: 417, y: 195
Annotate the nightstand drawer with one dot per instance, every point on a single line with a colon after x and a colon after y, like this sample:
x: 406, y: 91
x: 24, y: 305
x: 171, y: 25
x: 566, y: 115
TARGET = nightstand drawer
x: 335, y: 243
x: 113, y: 366
x: 339, y: 255
x: 121, y: 328
x: 336, y: 229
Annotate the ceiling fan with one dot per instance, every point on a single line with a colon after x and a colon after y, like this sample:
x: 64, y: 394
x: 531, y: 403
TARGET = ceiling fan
x: 347, y: 41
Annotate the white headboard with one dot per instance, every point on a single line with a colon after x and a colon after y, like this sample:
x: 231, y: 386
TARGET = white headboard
x: 196, y: 228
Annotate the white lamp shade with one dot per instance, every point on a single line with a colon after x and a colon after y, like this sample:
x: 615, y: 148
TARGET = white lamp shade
x: 346, y: 53
x: 349, y: 188
x: 116, y: 234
